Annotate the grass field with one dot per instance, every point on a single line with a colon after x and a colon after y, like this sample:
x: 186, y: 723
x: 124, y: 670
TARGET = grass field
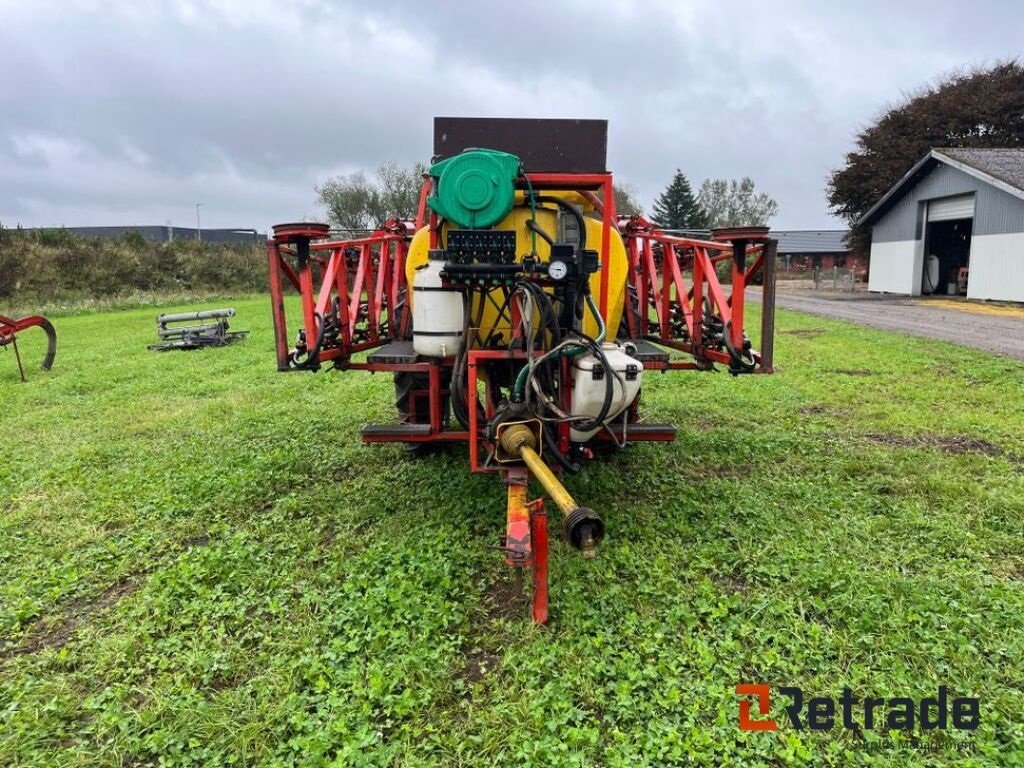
x: 201, y: 565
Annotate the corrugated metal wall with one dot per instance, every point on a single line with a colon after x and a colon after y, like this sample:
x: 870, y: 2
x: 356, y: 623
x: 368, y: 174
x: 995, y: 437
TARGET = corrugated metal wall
x: 893, y: 267
x: 997, y: 267
x: 995, y: 212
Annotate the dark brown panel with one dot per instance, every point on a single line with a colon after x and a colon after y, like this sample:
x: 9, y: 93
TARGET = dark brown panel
x: 544, y: 146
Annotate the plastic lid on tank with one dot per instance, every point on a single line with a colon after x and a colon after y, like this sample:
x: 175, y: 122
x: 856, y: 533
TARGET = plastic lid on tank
x: 475, y: 189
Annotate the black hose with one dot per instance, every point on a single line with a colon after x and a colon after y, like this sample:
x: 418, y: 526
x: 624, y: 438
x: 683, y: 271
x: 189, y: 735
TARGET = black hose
x: 547, y: 308
x: 533, y: 226
x: 51, y: 344
x: 560, y: 457
x: 738, y: 363
x: 574, y: 210
x: 312, y: 361
x: 460, y: 405
x: 549, y: 317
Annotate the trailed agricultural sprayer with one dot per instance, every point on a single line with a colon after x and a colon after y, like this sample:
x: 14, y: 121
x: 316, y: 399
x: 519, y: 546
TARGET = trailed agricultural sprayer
x: 519, y: 314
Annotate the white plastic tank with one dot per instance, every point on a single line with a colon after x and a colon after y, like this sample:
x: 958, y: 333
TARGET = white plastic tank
x: 589, y: 382
x: 438, y: 314
x: 931, y: 276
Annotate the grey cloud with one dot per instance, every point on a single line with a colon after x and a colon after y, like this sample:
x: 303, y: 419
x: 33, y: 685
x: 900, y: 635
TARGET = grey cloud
x: 116, y: 113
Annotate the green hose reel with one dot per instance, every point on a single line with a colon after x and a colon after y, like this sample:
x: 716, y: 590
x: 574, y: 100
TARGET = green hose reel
x: 476, y: 188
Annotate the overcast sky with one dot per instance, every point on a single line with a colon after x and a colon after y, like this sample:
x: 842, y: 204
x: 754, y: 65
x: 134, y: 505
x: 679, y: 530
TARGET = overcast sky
x: 130, y: 113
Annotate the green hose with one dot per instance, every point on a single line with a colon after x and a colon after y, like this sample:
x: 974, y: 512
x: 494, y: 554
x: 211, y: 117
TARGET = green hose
x: 597, y: 316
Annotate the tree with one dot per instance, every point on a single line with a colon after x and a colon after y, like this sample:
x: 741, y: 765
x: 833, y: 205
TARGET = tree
x: 354, y: 202
x: 400, y: 189
x: 626, y: 203
x: 677, y: 208
x: 735, y: 204
x: 969, y: 108
x: 351, y: 201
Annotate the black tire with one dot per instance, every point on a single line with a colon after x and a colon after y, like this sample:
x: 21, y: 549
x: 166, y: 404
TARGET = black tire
x: 630, y: 307
x: 416, y: 410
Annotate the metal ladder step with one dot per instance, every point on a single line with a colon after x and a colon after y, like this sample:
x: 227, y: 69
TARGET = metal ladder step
x: 647, y: 352
x: 645, y: 431
x: 395, y: 352
x: 395, y: 430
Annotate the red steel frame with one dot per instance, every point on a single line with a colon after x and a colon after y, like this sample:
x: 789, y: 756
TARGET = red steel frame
x: 365, y: 279
x: 361, y: 284
x: 526, y: 538
x: 664, y: 291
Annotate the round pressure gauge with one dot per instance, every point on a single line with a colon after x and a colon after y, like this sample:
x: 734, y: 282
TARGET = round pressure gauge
x: 557, y: 270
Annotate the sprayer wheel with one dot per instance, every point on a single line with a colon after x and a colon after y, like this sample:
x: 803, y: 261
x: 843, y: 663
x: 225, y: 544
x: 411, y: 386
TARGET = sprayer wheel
x: 416, y: 410
x: 631, y: 307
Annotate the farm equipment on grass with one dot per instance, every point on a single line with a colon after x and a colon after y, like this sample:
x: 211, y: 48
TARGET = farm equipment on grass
x: 200, y: 333
x: 10, y: 328
x: 519, y: 314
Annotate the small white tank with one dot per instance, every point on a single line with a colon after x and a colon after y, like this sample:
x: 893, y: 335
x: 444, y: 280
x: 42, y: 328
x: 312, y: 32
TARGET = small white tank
x: 438, y: 314
x: 589, y: 385
x: 931, y: 278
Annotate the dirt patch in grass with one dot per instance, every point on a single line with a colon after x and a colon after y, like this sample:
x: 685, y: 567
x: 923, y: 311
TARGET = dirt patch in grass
x: 805, y: 333
x: 701, y: 472
x: 730, y: 582
x: 954, y: 445
x: 832, y: 411
x: 503, y: 599
x: 812, y: 410
x: 852, y: 372
x: 506, y: 599
x: 195, y: 542
x: 479, y: 664
x: 57, y: 635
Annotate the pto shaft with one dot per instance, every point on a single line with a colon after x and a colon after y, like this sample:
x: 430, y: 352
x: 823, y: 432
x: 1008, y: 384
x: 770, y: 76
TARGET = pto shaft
x: 581, y: 525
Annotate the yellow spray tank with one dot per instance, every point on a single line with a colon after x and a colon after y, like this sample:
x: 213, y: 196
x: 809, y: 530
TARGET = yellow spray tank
x: 547, y: 217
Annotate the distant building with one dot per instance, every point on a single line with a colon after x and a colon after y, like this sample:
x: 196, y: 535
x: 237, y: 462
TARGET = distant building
x: 166, y: 234
x: 953, y: 223
x: 801, y: 250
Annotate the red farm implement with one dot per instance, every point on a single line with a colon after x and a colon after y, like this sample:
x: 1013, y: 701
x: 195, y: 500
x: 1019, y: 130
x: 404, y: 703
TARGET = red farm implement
x: 10, y: 328
x: 518, y: 314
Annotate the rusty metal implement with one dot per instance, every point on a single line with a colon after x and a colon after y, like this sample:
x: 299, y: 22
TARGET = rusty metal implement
x: 10, y: 328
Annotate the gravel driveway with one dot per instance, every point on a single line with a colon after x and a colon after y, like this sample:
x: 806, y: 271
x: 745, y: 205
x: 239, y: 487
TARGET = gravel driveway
x: 980, y: 328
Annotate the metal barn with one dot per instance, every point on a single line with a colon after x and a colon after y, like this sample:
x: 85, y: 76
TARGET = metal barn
x: 953, y: 224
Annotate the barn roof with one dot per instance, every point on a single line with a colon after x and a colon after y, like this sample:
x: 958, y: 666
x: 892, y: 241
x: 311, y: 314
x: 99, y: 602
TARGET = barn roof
x: 1003, y: 168
x: 811, y: 240
x: 1006, y: 165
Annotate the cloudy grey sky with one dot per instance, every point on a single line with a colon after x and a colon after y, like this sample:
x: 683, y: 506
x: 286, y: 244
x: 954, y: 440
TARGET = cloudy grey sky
x: 131, y: 112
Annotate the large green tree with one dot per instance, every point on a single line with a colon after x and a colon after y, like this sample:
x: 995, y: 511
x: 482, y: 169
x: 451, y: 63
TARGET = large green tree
x: 971, y: 108
x: 677, y: 208
x: 354, y: 202
x: 735, y: 203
